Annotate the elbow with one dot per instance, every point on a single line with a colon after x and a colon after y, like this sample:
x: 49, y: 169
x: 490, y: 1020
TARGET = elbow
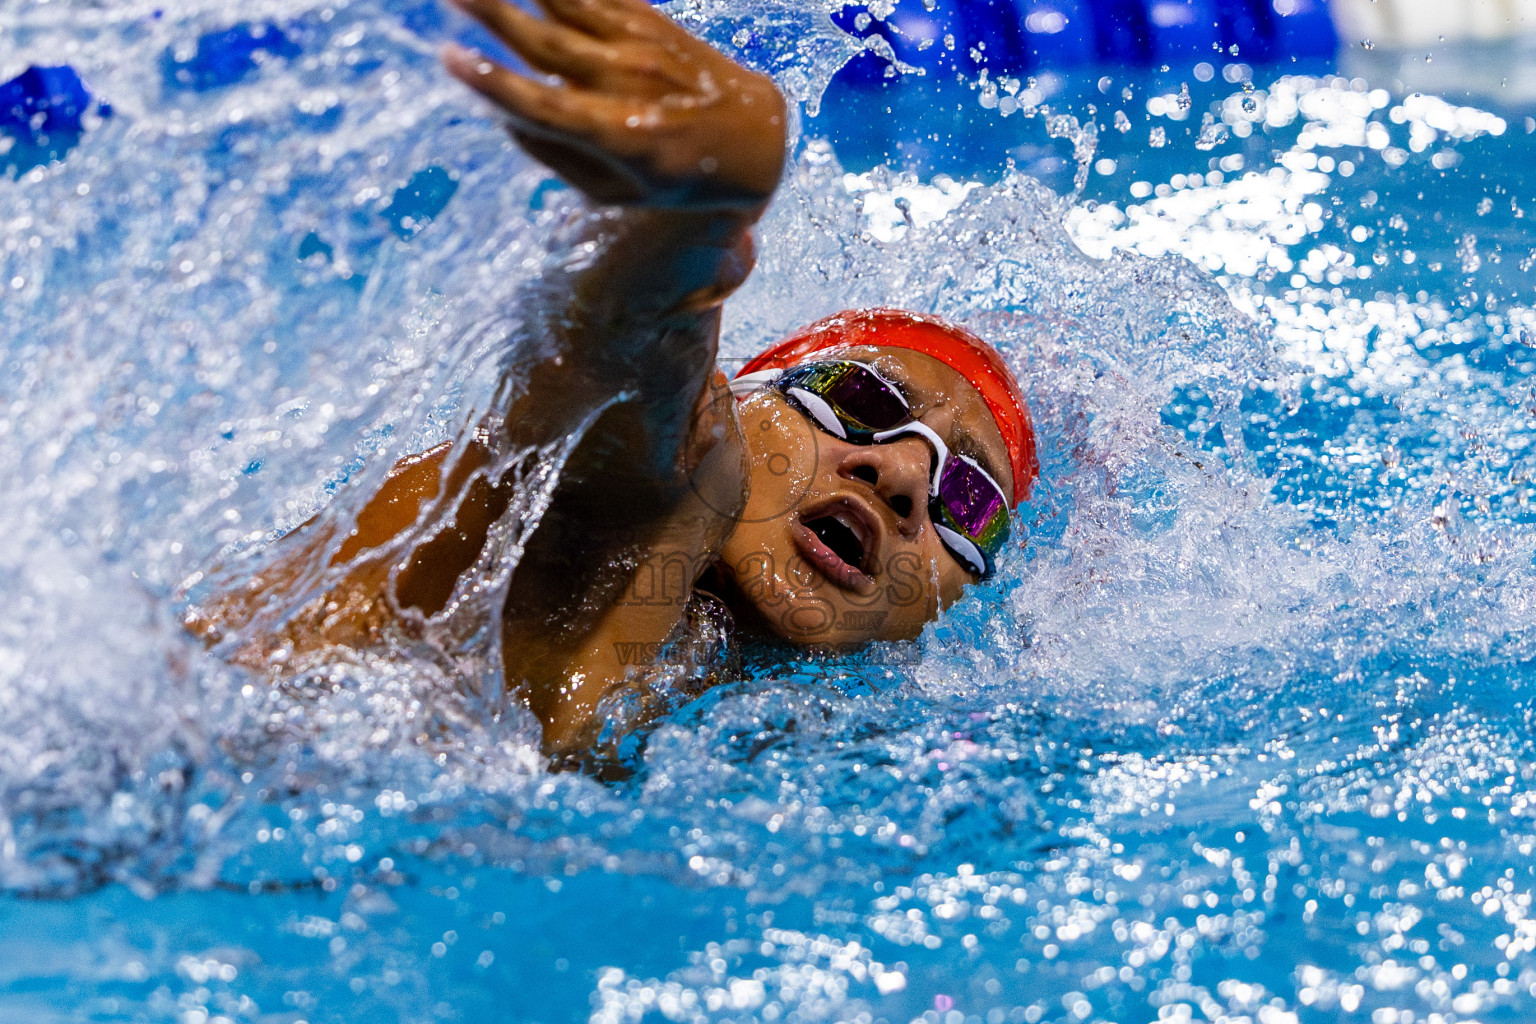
x: 728, y: 270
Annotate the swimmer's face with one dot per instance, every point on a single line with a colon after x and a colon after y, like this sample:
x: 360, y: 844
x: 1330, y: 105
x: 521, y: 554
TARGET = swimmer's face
x: 835, y: 546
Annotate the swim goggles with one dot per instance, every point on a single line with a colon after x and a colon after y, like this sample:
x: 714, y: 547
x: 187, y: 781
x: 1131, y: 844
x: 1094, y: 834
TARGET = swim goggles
x: 853, y: 402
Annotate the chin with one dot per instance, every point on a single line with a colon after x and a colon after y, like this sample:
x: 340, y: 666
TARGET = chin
x: 778, y: 592
x: 813, y: 621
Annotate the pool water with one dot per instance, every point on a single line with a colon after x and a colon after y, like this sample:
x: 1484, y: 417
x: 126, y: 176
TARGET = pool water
x: 1241, y: 731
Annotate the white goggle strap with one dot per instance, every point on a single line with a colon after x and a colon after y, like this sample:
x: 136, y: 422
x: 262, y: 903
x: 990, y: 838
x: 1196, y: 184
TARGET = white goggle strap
x: 820, y: 411
x: 814, y: 404
x: 748, y: 383
x: 963, y: 547
x: 928, y: 434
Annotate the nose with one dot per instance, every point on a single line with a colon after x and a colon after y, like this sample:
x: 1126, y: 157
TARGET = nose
x: 898, y: 473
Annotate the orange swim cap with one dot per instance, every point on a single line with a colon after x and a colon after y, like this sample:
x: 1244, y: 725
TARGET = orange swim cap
x: 934, y: 336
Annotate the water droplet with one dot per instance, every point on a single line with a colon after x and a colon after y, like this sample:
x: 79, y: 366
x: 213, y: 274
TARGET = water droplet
x: 1466, y: 249
x: 1366, y: 44
x: 1212, y: 133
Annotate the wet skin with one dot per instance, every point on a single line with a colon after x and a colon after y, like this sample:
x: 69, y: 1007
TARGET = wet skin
x: 669, y: 479
x: 797, y: 585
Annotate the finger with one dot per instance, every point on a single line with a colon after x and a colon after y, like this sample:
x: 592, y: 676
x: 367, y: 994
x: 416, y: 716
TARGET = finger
x: 547, y: 46
x: 608, y: 19
x: 565, y: 111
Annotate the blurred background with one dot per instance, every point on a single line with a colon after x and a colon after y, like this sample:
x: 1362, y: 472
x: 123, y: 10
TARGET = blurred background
x: 1064, y: 53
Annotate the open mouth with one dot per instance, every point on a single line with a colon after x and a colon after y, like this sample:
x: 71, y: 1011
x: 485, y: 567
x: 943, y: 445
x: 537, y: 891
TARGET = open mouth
x: 840, y: 536
x: 840, y: 543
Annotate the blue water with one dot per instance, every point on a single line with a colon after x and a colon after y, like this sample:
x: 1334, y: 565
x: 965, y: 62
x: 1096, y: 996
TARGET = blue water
x: 1241, y: 733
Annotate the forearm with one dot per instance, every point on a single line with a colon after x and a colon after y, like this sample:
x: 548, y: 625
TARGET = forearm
x: 636, y: 321
x: 637, y: 115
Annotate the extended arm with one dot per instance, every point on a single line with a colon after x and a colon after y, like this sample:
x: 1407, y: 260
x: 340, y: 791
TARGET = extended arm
x: 689, y: 145
x: 685, y: 148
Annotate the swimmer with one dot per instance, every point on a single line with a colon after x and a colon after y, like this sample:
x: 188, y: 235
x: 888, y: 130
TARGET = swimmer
x: 843, y: 489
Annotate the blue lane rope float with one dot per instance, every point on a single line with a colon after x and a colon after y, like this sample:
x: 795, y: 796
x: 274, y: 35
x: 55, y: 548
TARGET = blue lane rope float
x: 1024, y: 36
x: 415, y: 203
x: 42, y: 112
x: 225, y: 57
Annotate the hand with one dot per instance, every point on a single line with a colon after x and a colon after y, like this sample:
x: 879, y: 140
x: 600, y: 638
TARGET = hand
x: 642, y: 114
